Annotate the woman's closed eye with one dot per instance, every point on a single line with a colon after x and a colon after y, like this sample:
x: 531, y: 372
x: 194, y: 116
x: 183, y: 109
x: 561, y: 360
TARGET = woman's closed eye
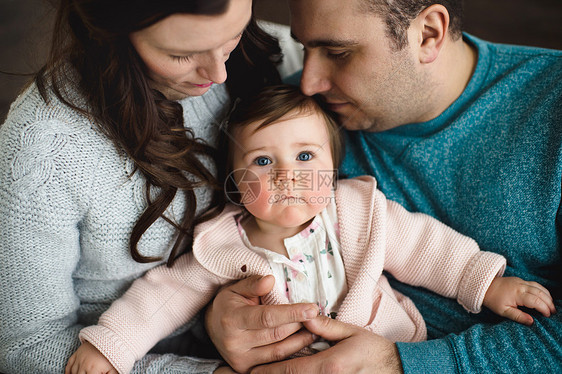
x: 181, y: 58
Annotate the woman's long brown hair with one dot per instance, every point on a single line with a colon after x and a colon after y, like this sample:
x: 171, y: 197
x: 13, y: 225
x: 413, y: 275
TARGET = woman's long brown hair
x: 91, y: 52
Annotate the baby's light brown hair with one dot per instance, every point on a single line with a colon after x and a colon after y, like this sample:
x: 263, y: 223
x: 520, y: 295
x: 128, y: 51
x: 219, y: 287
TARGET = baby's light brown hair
x: 275, y: 102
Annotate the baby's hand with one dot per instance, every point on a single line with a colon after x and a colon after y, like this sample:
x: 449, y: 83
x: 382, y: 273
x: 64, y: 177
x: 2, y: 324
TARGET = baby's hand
x: 505, y: 295
x: 88, y: 360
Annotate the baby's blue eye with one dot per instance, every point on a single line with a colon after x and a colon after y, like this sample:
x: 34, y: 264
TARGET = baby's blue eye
x: 262, y: 161
x: 304, y: 156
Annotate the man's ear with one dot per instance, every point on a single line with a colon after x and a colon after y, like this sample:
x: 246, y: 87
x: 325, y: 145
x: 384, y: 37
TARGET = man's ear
x: 432, y: 25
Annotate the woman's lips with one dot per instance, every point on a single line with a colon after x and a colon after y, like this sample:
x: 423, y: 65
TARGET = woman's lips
x: 203, y: 85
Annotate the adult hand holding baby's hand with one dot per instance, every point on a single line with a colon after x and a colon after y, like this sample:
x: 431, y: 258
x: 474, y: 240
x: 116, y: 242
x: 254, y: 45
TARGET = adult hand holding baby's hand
x: 88, y: 360
x: 505, y: 295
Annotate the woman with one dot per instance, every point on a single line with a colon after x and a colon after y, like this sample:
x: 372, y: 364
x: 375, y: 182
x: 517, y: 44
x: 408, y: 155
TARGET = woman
x: 108, y: 163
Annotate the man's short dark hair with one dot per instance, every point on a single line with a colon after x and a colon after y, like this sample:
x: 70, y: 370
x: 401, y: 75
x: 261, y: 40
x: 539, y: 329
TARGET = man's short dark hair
x: 398, y: 14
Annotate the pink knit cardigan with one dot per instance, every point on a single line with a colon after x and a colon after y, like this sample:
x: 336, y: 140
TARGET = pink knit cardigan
x: 376, y: 234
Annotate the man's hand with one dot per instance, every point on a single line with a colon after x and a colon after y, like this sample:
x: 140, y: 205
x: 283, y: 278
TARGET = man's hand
x: 356, y: 351
x: 247, y: 334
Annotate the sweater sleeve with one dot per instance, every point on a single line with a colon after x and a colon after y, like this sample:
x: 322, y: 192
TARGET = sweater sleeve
x: 39, y: 249
x: 481, y: 342
x: 41, y: 209
x: 155, y: 306
x: 422, y: 251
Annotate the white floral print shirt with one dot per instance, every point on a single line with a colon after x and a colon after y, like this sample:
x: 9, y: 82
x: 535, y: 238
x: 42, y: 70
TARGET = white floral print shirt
x: 314, y: 271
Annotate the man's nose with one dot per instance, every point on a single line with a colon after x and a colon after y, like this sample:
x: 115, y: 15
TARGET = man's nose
x: 315, y: 77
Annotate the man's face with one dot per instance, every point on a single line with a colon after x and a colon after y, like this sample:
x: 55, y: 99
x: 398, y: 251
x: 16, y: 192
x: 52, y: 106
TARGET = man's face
x: 350, y: 62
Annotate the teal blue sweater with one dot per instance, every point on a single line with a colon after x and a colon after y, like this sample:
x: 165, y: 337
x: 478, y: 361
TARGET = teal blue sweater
x: 490, y: 166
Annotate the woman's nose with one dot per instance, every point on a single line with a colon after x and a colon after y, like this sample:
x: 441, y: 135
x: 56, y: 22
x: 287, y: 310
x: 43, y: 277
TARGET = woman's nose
x: 213, y: 67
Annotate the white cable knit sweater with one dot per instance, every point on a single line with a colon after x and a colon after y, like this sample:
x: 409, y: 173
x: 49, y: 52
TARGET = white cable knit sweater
x: 67, y: 208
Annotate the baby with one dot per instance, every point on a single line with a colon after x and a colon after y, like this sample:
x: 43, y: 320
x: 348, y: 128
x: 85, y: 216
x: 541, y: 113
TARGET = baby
x: 326, y: 241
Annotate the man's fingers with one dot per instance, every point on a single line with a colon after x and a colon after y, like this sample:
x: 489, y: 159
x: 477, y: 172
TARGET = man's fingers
x: 272, y: 352
x: 282, y: 349
x: 239, y: 326
x: 356, y: 350
x: 271, y: 316
x: 268, y: 336
x: 264, y: 337
x: 329, y: 329
x: 321, y: 362
x: 295, y: 365
x: 254, y: 286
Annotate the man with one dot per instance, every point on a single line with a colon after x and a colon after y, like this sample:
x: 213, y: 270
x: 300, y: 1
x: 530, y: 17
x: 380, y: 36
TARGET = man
x: 452, y: 126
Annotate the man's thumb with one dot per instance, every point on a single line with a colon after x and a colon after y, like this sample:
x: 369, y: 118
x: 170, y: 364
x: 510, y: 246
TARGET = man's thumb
x: 328, y: 328
x: 254, y: 286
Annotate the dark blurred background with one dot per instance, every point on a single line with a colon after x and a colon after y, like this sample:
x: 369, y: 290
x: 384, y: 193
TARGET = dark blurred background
x: 25, y: 27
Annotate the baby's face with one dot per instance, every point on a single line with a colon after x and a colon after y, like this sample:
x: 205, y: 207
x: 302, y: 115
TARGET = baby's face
x: 284, y: 171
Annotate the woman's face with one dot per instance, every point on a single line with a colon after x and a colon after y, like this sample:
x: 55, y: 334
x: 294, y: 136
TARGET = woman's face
x: 185, y: 54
